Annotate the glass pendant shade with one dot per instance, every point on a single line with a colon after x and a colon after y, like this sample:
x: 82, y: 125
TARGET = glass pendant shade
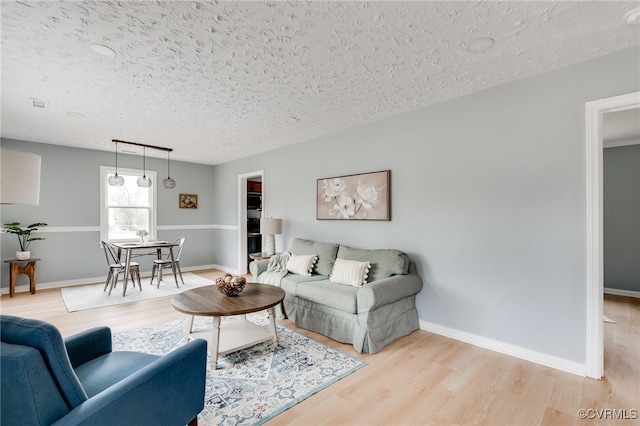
x: 144, y: 181
x: 116, y: 180
x: 169, y: 183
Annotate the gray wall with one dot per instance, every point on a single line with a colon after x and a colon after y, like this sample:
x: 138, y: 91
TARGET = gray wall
x: 488, y: 197
x: 622, y: 218
x: 70, y: 198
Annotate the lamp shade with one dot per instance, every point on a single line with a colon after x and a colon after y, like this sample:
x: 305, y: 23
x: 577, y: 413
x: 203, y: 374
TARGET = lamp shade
x: 19, y: 177
x: 270, y: 226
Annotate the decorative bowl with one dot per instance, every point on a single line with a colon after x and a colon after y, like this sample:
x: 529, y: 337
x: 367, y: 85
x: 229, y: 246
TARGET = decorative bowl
x: 230, y: 285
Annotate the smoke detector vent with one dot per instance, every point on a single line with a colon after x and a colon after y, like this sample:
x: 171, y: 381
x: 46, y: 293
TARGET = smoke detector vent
x: 37, y: 103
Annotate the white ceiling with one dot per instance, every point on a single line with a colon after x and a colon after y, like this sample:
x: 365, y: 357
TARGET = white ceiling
x: 218, y: 81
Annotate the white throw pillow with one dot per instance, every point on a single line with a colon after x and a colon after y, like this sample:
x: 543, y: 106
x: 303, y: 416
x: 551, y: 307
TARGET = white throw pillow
x: 350, y: 272
x: 301, y: 264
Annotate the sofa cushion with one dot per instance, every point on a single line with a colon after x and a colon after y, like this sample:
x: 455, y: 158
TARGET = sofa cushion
x: 350, y: 272
x: 327, y: 293
x: 301, y: 264
x: 326, y: 253
x: 384, y: 262
x: 289, y: 282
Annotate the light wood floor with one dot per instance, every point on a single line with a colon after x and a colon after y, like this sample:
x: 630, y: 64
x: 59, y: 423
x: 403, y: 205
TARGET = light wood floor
x: 423, y: 378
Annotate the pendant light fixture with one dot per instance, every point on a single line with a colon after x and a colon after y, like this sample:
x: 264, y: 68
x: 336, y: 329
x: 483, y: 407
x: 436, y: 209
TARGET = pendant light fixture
x: 116, y: 180
x: 169, y: 183
x: 144, y: 181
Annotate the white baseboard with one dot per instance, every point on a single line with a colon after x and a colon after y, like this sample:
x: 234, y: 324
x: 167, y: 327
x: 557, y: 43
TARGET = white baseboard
x: 95, y: 280
x: 506, y: 348
x: 628, y: 293
x: 227, y: 270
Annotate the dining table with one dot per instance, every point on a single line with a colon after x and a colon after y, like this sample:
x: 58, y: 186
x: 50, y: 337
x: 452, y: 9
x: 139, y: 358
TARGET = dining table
x: 130, y: 247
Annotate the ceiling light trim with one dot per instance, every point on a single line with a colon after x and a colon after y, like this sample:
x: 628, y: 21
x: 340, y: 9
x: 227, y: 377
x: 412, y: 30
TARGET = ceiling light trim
x: 103, y: 50
x: 481, y: 44
x: 633, y: 17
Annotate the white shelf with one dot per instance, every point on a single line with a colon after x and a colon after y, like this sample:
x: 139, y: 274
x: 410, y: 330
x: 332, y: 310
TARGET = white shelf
x: 234, y: 335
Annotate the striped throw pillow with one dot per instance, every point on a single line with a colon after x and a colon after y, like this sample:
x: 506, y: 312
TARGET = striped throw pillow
x: 350, y: 272
x: 301, y: 264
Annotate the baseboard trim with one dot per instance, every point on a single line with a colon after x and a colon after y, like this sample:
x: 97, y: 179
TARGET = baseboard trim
x: 628, y: 293
x: 95, y: 280
x: 506, y: 348
x: 227, y: 270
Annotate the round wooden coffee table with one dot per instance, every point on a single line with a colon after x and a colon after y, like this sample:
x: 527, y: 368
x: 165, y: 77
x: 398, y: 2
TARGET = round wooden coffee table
x: 232, y: 335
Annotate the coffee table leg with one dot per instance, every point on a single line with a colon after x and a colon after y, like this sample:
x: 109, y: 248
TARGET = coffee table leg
x: 272, y: 326
x: 189, y: 326
x: 215, y: 341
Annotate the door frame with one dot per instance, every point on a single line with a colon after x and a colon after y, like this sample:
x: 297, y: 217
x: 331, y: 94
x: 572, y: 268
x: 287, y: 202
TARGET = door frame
x: 594, y: 360
x: 242, y: 216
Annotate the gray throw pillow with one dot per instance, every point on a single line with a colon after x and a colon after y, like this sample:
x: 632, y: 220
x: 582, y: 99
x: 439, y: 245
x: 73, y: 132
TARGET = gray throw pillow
x: 384, y: 262
x: 326, y: 253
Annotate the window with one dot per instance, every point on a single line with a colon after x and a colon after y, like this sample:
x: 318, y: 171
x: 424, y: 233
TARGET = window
x: 126, y: 209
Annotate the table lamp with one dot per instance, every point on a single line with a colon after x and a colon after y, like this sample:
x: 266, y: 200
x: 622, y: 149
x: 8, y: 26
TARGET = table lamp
x: 270, y: 227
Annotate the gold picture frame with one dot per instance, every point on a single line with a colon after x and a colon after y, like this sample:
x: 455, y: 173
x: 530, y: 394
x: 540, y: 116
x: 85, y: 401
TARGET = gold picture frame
x: 188, y: 201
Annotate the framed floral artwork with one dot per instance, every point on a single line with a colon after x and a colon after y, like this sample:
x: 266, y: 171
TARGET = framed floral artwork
x: 188, y: 201
x: 363, y: 196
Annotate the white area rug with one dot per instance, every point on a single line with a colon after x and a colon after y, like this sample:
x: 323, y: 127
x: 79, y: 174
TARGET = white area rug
x: 91, y: 296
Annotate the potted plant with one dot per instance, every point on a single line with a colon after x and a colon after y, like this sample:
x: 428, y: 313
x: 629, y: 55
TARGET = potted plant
x: 24, y: 237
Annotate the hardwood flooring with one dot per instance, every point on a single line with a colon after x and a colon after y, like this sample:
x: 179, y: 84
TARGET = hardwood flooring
x: 424, y: 378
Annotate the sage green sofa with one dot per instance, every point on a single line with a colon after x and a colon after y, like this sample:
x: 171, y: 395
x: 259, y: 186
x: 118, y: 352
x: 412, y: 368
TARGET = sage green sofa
x: 369, y: 317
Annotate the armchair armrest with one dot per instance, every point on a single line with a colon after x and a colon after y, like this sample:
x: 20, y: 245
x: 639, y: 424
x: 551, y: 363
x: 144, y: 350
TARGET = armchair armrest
x: 167, y: 391
x: 388, y: 290
x: 88, y: 345
x: 258, y: 266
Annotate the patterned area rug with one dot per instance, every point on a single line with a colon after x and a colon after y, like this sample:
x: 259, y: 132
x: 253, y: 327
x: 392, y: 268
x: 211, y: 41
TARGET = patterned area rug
x: 253, y: 385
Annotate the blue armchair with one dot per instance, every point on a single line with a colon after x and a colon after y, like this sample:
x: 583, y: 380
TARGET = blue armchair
x: 47, y: 380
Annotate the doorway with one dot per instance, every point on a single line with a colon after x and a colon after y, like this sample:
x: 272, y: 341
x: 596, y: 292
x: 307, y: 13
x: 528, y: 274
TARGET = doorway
x: 594, y: 364
x: 247, y: 210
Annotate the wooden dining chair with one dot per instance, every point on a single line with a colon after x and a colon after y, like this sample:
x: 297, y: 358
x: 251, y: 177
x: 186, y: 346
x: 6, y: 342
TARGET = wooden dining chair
x: 160, y: 264
x: 116, y: 267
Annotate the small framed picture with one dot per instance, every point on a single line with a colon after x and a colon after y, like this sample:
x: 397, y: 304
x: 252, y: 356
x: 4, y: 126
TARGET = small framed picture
x: 188, y: 201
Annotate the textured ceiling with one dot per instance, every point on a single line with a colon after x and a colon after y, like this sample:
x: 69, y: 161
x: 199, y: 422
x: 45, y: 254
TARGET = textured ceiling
x: 221, y: 81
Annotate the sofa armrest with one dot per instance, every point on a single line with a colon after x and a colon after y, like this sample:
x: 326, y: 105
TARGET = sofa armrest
x: 88, y: 345
x: 388, y: 290
x: 167, y: 391
x: 258, y: 266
